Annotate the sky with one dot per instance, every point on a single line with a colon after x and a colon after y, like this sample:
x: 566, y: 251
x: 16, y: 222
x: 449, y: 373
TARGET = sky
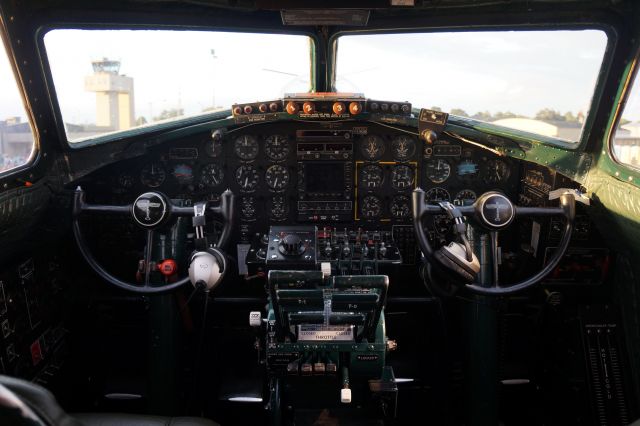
x: 521, y: 72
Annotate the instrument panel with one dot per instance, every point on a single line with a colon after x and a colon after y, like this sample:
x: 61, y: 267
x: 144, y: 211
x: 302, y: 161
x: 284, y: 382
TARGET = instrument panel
x: 340, y: 174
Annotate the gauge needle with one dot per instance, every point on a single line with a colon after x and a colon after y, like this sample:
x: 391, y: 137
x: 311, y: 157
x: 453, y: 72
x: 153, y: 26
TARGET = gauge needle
x: 275, y: 183
x: 246, y: 182
x: 214, y: 179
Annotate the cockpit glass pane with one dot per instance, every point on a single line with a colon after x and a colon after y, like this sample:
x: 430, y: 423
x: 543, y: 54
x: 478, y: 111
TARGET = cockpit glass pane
x: 536, y: 81
x: 108, y: 81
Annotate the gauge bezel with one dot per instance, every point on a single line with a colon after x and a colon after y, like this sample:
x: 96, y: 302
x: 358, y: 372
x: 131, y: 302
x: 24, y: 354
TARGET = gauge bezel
x: 363, y: 170
x: 394, y: 149
x: 380, y: 144
x: 255, y: 173
x: 237, y: 147
x: 283, y: 169
x: 412, y: 172
x: 209, y: 166
x: 148, y: 165
x: 438, y: 160
x: 363, y: 211
x: 285, y: 146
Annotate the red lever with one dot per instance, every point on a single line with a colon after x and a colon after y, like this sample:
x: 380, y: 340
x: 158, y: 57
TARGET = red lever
x: 168, y: 267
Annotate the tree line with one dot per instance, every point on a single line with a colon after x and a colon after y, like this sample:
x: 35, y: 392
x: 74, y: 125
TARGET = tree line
x: 546, y: 114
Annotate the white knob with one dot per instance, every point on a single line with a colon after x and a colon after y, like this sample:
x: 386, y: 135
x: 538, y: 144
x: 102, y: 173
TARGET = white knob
x: 345, y: 396
x: 255, y: 318
x: 325, y: 267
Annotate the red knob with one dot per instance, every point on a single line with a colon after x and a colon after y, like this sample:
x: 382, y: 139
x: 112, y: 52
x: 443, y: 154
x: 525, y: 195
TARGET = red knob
x: 292, y: 107
x: 355, y: 108
x: 308, y: 108
x: 248, y: 109
x: 338, y: 108
x: 273, y: 107
x: 168, y: 267
x: 237, y: 110
x: 263, y: 108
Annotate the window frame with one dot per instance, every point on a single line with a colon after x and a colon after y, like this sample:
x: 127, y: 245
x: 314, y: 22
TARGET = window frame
x: 619, y: 107
x: 34, y: 156
x: 598, y: 90
x: 171, y: 125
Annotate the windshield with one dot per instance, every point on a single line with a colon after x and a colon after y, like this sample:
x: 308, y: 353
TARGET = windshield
x: 107, y: 81
x: 537, y: 81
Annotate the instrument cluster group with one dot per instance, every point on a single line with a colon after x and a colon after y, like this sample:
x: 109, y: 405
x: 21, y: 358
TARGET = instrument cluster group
x: 263, y: 166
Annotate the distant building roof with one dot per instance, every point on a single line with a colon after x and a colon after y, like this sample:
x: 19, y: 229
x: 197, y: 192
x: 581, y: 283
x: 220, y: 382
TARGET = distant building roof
x: 568, y: 130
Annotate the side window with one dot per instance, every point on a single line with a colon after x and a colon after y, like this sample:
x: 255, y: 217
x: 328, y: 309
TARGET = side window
x: 16, y: 137
x: 626, y: 139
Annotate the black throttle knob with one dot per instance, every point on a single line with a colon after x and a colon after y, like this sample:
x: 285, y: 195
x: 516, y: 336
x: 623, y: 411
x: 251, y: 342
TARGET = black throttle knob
x: 291, y: 245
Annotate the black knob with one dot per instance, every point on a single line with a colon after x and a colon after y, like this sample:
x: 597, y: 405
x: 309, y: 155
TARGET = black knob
x: 291, y: 245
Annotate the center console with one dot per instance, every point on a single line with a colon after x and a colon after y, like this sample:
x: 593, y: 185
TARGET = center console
x: 324, y: 338
x: 335, y: 251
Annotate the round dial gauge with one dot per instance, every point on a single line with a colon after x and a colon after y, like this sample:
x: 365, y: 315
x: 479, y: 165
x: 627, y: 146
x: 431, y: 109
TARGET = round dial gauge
x: 125, y: 181
x: 277, y: 177
x: 153, y: 175
x: 248, y: 208
x: 183, y: 173
x: 403, y: 147
x: 213, y: 147
x: 467, y: 169
x: 402, y: 177
x: 246, y: 147
x: 496, y: 171
x: 442, y: 224
x: 212, y: 175
x: 435, y: 195
x: 371, y: 177
x: 277, y: 147
x: 372, y: 147
x: 466, y: 197
x: 247, y: 177
x: 438, y: 171
x: 278, y: 208
x: 371, y: 207
x: 401, y: 207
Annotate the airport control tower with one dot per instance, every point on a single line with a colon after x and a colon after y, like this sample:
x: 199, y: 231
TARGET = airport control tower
x: 114, y: 95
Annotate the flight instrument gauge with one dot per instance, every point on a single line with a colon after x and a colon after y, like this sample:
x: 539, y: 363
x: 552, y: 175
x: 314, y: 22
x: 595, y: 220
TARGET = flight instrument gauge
x: 277, y: 147
x: 401, y: 207
x: 438, y: 170
x: 212, y: 175
x: 435, y: 195
x: 404, y: 147
x: 467, y: 169
x: 153, y: 175
x: 248, y: 208
x: 372, y: 148
x: 278, y: 208
x: 246, y: 147
x: 183, y: 173
x: 371, y: 207
x: 496, y: 171
x: 402, y: 177
x: 371, y: 177
x: 465, y: 197
x: 247, y: 177
x: 277, y: 177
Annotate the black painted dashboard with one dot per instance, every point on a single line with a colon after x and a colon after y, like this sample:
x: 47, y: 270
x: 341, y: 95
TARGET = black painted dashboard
x: 333, y: 174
